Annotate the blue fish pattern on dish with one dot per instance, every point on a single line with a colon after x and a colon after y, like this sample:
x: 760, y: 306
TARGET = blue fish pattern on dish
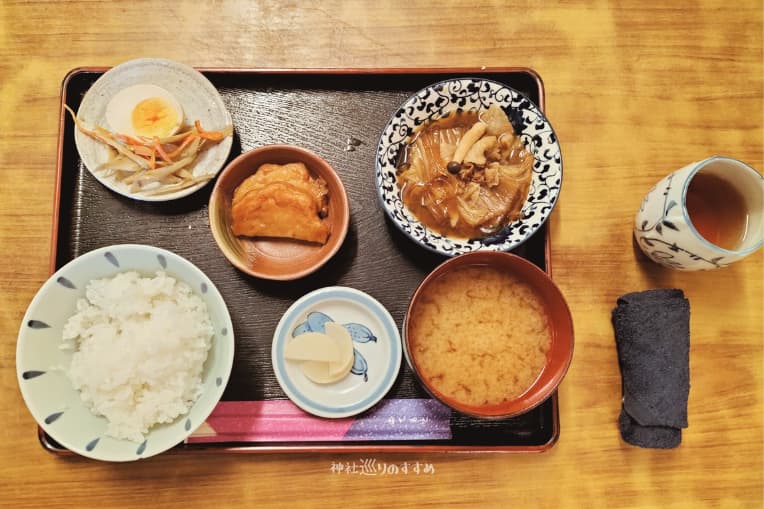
x: 360, y: 367
x: 359, y: 333
x: 317, y: 321
x: 300, y: 329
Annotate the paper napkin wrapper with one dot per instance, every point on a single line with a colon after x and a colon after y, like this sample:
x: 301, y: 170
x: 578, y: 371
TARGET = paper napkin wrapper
x: 652, y: 335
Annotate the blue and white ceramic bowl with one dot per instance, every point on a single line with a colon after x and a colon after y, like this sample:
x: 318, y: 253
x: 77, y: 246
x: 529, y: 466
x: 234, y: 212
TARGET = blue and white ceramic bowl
x: 459, y: 94
x: 376, y: 344
x: 666, y: 233
x: 40, y: 363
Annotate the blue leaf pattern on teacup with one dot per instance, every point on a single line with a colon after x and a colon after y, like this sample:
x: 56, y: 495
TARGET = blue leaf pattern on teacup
x: 662, y: 251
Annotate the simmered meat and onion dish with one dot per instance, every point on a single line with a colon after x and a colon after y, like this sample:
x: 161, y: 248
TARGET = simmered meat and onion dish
x: 466, y: 175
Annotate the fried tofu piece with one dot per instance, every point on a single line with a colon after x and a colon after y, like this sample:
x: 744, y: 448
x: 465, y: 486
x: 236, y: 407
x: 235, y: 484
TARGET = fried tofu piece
x: 296, y: 174
x: 283, y: 201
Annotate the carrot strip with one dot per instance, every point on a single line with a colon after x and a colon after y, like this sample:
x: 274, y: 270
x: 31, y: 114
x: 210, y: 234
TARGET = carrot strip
x: 151, y: 160
x: 158, y: 147
x: 182, y: 146
x: 212, y: 135
x: 79, y: 124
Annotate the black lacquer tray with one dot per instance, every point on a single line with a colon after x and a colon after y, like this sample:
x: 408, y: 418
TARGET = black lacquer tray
x: 339, y: 114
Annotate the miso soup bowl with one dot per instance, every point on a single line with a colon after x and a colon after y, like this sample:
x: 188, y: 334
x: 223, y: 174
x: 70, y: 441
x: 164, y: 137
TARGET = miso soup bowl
x: 560, y: 323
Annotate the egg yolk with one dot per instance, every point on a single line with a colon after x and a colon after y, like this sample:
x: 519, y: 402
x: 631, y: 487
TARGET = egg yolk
x: 154, y: 117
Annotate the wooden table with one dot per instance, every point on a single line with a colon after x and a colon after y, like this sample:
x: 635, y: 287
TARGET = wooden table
x: 634, y: 90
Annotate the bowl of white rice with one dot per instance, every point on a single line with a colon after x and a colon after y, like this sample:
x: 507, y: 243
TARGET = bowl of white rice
x: 124, y: 352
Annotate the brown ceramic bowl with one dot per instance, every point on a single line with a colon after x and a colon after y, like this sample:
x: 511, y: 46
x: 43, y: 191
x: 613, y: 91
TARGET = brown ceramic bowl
x: 276, y: 258
x: 560, y: 323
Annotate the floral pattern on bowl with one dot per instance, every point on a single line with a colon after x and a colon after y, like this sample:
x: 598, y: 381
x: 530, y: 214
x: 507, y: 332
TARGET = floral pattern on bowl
x: 40, y: 363
x: 459, y: 94
x: 376, y: 347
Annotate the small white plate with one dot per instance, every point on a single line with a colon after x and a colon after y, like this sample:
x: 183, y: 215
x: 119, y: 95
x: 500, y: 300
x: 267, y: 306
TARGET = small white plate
x: 199, y: 99
x: 376, y: 341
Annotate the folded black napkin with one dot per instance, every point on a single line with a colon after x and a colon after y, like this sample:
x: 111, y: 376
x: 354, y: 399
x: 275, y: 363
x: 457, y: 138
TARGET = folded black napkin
x: 652, y: 335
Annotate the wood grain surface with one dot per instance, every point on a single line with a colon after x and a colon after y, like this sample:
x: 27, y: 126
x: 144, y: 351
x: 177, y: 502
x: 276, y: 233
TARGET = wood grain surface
x: 634, y: 90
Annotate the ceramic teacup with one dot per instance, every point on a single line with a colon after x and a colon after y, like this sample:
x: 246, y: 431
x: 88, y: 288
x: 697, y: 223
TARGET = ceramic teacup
x: 703, y: 216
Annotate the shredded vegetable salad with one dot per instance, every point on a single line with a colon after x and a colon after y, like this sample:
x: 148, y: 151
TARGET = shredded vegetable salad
x: 154, y: 166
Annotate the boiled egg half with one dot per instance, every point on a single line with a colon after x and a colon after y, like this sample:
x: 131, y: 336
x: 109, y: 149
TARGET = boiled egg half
x: 144, y: 110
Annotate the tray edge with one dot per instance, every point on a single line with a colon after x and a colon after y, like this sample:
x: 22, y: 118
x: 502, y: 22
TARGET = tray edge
x: 376, y: 448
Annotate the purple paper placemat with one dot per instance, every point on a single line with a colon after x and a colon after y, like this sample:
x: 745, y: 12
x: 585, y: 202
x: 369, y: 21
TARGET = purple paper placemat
x: 283, y: 421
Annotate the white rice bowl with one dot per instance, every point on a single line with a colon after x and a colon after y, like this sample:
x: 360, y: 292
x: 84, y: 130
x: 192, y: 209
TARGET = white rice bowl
x: 139, y: 348
x: 124, y: 352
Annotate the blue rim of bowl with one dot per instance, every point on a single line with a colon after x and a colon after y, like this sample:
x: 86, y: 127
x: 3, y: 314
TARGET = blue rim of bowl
x: 310, y: 301
x: 58, y: 278
x: 537, y: 133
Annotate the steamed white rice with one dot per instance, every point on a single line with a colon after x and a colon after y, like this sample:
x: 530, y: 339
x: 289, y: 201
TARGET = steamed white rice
x: 140, y: 345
